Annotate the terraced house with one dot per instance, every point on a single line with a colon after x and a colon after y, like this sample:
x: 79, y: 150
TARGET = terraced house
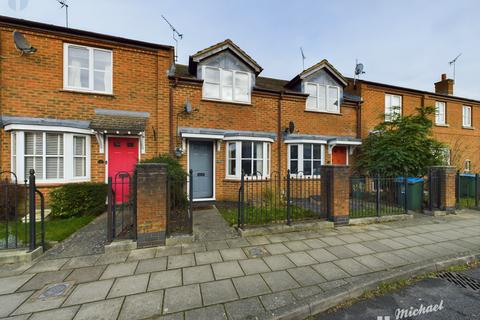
x: 86, y: 106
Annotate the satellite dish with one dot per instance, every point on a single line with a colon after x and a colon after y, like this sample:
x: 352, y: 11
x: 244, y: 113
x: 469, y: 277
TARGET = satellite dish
x: 359, y: 69
x: 291, y: 127
x: 22, y: 44
x: 188, y: 107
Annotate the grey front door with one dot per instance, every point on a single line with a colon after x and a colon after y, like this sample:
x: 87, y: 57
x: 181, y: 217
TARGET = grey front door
x: 201, y: 164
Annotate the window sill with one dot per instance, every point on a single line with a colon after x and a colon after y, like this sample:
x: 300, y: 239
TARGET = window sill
x: 442, y: 125
x: 325, y: 112
x: 228, y: 102
x: 95, y: 93
x: 468, y: 128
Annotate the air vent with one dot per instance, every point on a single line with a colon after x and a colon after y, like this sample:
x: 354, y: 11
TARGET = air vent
x: 461, y: 280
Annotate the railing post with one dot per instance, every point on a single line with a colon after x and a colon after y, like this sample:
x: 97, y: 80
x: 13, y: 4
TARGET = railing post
x: 190, y: 200
x: 377, y: 195
x: 476, y: 190
x: 42, y: 218
x: 242, y: 202
x: 430, y: 191
x: 109, y: 211
x: 405, y: 200
x: 239, y: 204
x: 288, y: 198
x: 457, y: 189
x: 32, y: 208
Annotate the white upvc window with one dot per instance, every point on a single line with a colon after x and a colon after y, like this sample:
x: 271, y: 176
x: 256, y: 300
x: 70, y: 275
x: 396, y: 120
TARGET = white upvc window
x: 393, y: 107
x: 468, y: 165
x: 440, y: 111
x: 87, y: 69
x: 250, y: 157
x: 324, y: 98
x: 305, y: 159
x: 445, y: 156
x: 467, y: 116
x: 56, y: 157
x: 226, y: 85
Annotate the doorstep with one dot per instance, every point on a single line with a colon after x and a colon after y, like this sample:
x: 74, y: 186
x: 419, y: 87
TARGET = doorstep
x: 19, y: 256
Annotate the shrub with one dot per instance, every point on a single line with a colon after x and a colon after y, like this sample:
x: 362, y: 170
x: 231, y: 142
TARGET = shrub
x: 77, y: 199
x: 174, y: 168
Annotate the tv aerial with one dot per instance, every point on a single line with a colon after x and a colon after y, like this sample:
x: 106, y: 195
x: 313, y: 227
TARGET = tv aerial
x: 358, y: 71
x: 175, y: 34
x: 303, y: 58
x: 63, y: 4
x: 453, y: 62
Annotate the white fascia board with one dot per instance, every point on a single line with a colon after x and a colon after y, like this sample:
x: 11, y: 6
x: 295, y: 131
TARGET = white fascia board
x: 243, y: 138
x: 30, y: 127
x: 202, y: 136
x: 294, y: 141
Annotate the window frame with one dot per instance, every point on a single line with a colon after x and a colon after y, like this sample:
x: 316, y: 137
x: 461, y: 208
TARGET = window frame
x: 442, y: 121
x: 469, y: 167
x: 75, y: 156
x: 222, y: 84
x: 91, y: 69
x: 470, y: 124
x: 239, y: 157
x: 300, y: 159
x: 326, y: 88
x: 389, y: 116
x: 68, y: 156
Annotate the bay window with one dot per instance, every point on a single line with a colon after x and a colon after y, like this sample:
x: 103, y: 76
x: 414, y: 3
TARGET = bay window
x: 322, y: 97
x: 226, y: 85
x: 56, y: 157
x: 393, y: 107
x: 87, y: 69
x: 250, y: 157
x: 305, y: 159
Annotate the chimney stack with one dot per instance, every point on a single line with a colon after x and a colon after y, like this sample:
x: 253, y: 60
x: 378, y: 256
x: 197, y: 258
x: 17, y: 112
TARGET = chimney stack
x: 444, y: 86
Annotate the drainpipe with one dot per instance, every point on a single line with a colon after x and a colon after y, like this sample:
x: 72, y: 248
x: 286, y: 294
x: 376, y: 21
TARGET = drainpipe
x: 279, y: 130
x: 170, y: 114
x: 359, y: 119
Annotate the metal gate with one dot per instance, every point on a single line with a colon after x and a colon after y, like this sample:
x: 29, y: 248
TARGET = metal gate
x: 433, y: 201
x: 121, y: 206
x: 180, y: 204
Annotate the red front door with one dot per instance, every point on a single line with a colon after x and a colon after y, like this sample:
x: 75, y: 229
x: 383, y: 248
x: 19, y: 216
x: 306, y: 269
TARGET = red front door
x: 339, y: 155
x: 122, y: 158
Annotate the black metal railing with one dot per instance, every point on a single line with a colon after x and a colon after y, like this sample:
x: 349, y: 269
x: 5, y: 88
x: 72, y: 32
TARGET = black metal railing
x: 379, y: 196
x: 180, y: 204
x: 121, y: 206
x: 18, y: 213
x: 277, y: 199
x: 467, y: 190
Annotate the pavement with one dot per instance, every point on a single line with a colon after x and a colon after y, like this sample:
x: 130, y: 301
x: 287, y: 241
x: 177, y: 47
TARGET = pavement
x: 238, y: 278
x: 453, y: 301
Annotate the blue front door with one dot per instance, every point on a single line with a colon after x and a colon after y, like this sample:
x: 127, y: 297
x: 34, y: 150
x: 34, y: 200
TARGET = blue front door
x: 201, y: 164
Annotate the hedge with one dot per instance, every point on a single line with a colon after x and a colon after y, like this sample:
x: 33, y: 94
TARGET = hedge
x: 78, y: 199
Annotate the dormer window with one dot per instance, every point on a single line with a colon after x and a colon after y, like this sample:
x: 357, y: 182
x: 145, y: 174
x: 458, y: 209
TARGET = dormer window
x: 322, y: 98
x: 226, y: 85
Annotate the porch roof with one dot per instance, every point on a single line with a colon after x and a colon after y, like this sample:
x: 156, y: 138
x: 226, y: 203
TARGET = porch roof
x: 30, y: 121
x: 119, y: 120
x: 221, y: 134
x: 312, y: 138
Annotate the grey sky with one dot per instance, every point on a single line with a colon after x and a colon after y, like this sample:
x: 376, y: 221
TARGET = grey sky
x: 406, y: 43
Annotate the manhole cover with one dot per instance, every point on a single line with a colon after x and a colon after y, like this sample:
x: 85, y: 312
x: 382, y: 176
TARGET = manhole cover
x: 461, y: 280
x: 54, y: 290
x: 256, y: 252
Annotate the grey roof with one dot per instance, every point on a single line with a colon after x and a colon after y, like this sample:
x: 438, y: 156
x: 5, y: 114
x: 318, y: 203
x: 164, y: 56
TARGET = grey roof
x: 228, y: 133
x: 129, y: 122
x: 329, y: 139
x: 79, y: 124
x: 123, y: 113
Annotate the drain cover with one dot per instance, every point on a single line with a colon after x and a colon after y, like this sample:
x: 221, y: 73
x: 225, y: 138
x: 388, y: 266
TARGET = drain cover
x: 54, y: 290
x: 461, y: 280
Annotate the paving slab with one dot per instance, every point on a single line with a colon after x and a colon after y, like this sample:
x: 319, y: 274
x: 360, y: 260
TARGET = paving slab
x: 216, y: 312
x: 151, y: 265
x: 322, y: 255
x: 341, y: 252
x: 165, y: 279
x: 301, y: 258
x: 224, y: 270
x: 392, y: 244
x: 102, y: 310
x: 129, y: 285
x: 10, y: 302
x: 253, y: 266
x: 250, y: 286
x: 315, y: 243
x: 391, y: 259
x: 114, y: 257
x: 193, y: 247
x: 304, y: 292
x: 119, y: 270
x: 277, y: 300
x: 349, y: 238
x: 359, y: 249
x: 60, y: 314
x: 297, y: 245
x: 89, y: 292
x: 237, y: 243
x: 279, y: 280
x: 376, y: 246
x: 150, y: 302
x: 182, y: 298
x: 218, y: 292
x: 276, y: 248
x: 217, y: 245
x: 232, y: 254
x: 11, y: 284
x: 279, y: 262
x: 257, y: 241
x: 333, y: 241
x: 306, y: 276
x: 352, y: 267
x: 47, y: 265
x: 182, y: 261
x: 81, y: 262
x: 168, y: 251
x: 142, y: 254
x: 197, y: 274
x: 208, y: 257
x: 86, y: 274
x: 244, y: 309
x: 41, y: 300
x: 373, y: 262
x: 42, y: 279
x: 333, y: 284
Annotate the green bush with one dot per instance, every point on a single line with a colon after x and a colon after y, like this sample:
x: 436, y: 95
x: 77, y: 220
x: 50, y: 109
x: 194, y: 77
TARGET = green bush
x: 78, y: 199
x: 174, y: 168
